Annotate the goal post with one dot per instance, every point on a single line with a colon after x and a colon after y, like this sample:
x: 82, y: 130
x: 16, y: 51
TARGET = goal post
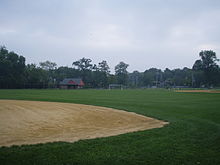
x: 116, y: 86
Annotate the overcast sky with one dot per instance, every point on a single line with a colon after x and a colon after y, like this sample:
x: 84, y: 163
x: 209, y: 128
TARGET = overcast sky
x: 142, y: 33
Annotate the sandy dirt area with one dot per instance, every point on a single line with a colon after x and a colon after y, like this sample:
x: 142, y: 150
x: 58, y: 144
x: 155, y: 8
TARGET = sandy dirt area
x: 198, y: 91
x: 32, y: 122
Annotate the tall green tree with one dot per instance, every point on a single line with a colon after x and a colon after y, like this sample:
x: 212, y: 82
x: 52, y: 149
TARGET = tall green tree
x: 152, y: 77
x: 121, y: 73
x: 208, y: 65
x: 168, y: 78
x: 36, y: 77
x: 135, y: 79
x: 83, y: 64
x: 48, y: 65
x: 100, y: 75
x: 209, y: 59
x: 103, y: 67
x: 182, y: 77
x: 12, y: 67
x: 85, y: 67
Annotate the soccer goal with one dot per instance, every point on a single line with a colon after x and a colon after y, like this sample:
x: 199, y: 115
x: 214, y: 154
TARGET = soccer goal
x: 116, y: 86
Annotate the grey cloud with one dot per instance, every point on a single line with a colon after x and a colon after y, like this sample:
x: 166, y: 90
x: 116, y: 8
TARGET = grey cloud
x: 144, y: 33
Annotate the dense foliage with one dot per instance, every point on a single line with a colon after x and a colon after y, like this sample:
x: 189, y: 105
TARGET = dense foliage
x: 15, y: 74
x: 12, y: 69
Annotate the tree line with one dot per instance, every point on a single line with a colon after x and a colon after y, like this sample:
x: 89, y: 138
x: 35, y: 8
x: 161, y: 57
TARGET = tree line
x: 14, y: 73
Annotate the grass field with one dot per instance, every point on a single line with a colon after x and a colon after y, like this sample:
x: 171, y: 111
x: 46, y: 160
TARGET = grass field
x: 192, y: 137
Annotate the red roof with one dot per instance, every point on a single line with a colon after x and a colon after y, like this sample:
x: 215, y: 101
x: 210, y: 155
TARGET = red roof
x: 72, y: 81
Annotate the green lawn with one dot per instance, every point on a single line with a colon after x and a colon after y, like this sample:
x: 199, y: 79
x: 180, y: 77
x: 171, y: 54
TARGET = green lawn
x: 192, y: 137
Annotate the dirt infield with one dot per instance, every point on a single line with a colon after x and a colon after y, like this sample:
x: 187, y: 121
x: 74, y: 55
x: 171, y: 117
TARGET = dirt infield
x: 198, y: 91
x: 31, y: 122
